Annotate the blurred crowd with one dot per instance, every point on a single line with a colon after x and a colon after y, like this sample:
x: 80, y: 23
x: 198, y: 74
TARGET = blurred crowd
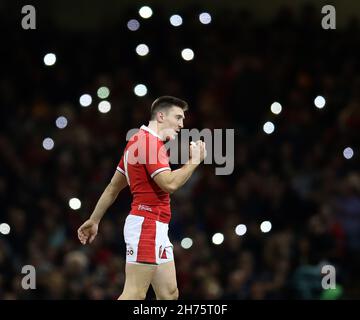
x: 297, y: 177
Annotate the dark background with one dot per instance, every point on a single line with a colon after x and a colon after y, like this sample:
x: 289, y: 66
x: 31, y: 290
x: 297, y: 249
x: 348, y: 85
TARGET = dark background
x: 251, y: 55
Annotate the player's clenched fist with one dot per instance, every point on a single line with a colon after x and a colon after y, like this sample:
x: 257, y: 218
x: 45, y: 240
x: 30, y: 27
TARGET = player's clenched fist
x: 197, y: 152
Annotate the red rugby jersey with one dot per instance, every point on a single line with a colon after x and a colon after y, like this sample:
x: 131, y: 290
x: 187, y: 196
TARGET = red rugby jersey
x: 144, y: 157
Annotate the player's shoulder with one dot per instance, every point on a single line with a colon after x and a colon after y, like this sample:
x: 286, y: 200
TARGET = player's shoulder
x: 135, y: 138
x: 142, y: 140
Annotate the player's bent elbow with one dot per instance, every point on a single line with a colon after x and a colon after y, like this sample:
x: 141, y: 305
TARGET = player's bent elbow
x: 171, y: 189
x: 168, y: 188
x: 165, y: 181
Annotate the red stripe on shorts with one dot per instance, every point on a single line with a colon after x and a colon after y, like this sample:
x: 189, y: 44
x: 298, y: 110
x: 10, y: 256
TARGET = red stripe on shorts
x: 146, y: 247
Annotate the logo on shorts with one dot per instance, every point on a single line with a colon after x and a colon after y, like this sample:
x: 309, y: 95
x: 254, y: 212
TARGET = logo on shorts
x: 162, y: 253
x: 130, y: 252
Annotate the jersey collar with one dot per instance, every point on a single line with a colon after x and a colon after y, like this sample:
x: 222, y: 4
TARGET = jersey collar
x: 145, y: 128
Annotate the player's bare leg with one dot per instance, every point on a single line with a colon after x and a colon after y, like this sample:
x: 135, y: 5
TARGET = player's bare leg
x: 164, y: 282
x: 137, y: 281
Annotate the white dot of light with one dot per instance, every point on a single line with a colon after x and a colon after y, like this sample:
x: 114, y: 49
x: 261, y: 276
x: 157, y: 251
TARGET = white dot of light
x: 61, y: 122
x: 186, y: 243
x: 142, y: 49
x: 4, y: 228
x: 187, y: 54
x: 276, y: 108
x: 48, y: 143
x: 348, y: 153
x: 176, y: 20
x: 265, y: 226
x: 133, y: 25
x: 75, y: 203
x: 140, y: 90
x: 85, y: 100
x: 104, y: 106
x: 240, y: 229
x: 145, y: 12
x: 269, y: 127
x: 49, y: 59
x: 205, y: 18
x: 218, y: 238
x: 103, y: 92
x: 319, y: 102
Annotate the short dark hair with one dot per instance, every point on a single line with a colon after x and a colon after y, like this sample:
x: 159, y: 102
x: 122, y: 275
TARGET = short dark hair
x: 165, y: 103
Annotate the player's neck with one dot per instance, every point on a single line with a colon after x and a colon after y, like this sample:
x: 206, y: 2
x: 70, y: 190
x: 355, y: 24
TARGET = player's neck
x: 153, y: 125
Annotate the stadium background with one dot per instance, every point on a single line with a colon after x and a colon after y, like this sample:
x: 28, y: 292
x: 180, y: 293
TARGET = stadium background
x: 303, y: 177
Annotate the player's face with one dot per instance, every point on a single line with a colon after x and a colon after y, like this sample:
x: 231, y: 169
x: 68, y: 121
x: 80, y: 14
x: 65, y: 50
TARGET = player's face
x: 173, y: 122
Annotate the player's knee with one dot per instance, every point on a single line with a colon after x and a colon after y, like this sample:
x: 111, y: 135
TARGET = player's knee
x: 139, y: 295
x: 170, y: 294
x: 175, y: 294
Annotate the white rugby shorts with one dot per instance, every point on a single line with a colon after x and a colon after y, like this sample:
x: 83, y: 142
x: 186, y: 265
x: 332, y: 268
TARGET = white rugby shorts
x: 147, y: 241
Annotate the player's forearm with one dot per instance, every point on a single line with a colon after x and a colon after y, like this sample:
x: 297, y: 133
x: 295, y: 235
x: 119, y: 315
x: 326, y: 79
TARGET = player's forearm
x: 106, y: 200
x: 181, y: 175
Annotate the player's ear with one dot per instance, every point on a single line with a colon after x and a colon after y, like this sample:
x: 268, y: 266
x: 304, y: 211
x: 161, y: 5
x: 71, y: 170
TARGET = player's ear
x: 160, y: 116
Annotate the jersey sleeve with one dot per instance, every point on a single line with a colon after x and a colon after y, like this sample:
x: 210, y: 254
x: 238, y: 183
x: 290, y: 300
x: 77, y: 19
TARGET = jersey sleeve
x: 120, y: 166
x: 159, y: 163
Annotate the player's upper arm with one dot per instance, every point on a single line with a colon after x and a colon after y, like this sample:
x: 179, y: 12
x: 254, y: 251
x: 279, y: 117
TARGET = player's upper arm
x: 164, y: 181
x: 118, y: 182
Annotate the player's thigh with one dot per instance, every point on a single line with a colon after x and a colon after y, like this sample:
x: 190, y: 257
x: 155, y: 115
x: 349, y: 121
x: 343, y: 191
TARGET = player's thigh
x: 164, y: 279
x: 138, y: 276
